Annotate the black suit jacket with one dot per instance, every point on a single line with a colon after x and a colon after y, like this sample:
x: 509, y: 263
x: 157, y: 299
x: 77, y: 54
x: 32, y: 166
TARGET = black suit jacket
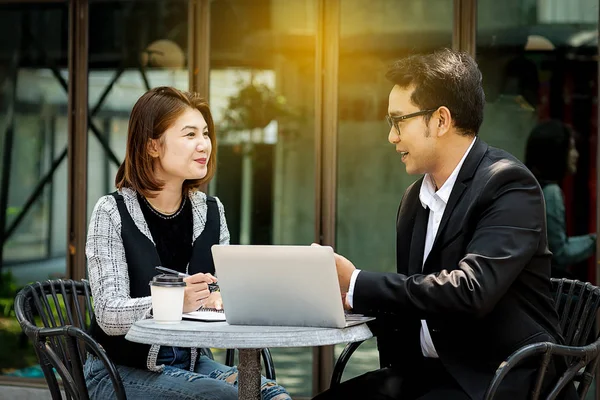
x: 485, y: 286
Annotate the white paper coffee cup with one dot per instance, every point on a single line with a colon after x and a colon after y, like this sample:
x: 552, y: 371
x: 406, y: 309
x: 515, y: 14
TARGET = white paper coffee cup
x: 167, y: 298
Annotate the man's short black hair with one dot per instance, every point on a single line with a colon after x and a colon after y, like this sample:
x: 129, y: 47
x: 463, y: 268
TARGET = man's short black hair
x: 444, y: 78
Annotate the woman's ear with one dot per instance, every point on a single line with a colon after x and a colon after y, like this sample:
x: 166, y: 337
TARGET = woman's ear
x: 152, y: 148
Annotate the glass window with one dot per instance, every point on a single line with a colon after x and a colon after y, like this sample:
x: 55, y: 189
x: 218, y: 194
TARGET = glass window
x: 33, y: 140
x: 126, y: 59
x: 539, y: 61
x: 371, y: 178
x: 262, y: 95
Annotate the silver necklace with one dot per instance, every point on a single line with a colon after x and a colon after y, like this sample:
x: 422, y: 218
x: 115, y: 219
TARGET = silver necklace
x: 163, y: 216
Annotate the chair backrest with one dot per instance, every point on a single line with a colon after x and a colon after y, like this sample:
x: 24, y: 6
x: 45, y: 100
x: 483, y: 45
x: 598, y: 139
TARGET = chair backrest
x: 55, y: 316
x: 576, y: 303
x: 58, y: 303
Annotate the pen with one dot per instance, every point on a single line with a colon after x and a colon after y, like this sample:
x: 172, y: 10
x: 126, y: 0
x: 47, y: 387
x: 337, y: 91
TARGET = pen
x: 213, y: 287
x: 171, y: 271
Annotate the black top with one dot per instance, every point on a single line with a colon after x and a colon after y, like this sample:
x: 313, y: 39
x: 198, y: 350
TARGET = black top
x: 172, y: 234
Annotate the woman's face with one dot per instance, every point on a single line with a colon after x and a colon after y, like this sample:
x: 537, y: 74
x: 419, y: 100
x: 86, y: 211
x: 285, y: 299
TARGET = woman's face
x: 184, y: 149
x: 572, y: 157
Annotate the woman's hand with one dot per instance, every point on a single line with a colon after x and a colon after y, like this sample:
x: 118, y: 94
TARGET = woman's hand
x: 196, y: 290
x: 213, y: 301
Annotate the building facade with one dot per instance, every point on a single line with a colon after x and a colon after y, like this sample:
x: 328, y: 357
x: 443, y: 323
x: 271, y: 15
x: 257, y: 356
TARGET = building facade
x: 317, y: 168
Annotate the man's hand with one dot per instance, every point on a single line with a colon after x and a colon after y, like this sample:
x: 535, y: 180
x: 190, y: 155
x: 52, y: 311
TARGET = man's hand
x: 345, y: 268
x: 345, y: 302
x: 196, y: 290
x: 213, y: 301
x: 344, y: 271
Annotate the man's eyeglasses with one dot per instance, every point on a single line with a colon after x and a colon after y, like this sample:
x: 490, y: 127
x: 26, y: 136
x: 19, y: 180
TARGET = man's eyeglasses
x: 393, y: 121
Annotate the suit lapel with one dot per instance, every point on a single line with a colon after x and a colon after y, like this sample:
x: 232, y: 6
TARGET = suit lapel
x: 406, y: 238
x: 417, y: 244
x: 464, y: 176
x: 457, y: 191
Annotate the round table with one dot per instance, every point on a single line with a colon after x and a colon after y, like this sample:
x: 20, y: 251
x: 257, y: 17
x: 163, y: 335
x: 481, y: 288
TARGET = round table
x: 249, y: 340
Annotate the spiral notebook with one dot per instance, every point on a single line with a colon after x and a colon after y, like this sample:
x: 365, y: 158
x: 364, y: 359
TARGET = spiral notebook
x: 206, y: 315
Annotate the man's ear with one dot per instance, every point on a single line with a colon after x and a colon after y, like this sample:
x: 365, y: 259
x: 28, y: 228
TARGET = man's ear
x: 153, y: 148
x: 444, y: 123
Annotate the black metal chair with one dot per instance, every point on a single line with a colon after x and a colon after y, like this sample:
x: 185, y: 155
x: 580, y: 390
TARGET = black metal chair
x: 577, y: 304
x: 64, y: 309
x: 55, y: 315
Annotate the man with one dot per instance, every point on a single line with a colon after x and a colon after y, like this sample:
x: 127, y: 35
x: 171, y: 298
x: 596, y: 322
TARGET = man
x: 473, y: 267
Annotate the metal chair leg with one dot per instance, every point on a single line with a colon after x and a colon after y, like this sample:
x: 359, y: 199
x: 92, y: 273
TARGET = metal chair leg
x: 338, y: 370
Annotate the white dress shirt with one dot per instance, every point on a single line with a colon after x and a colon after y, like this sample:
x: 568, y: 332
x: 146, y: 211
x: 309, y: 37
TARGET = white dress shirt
x: 436, y: 202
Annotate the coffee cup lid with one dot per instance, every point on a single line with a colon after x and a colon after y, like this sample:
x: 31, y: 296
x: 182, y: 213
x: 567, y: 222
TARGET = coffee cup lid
x: 167, y: 280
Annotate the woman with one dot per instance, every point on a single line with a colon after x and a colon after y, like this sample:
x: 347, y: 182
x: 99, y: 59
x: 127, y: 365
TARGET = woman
x: 159, y: 217
x: 551, y: 155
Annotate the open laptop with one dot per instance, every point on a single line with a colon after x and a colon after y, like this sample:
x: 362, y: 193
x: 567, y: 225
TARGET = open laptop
x: 281, y: 285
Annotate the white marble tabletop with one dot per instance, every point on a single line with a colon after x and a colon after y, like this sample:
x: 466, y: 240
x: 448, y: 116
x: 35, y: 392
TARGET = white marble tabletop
x: 222, y: 335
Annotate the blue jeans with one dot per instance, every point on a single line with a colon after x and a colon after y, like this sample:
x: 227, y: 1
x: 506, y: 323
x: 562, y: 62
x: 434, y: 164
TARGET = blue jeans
x: 209, y: 381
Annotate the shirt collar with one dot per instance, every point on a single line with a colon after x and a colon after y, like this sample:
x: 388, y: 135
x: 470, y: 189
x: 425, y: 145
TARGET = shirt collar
x: 428, y: 195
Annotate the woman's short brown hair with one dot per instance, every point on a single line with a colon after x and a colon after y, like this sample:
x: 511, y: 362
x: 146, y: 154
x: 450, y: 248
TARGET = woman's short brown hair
x: 151, y: 116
